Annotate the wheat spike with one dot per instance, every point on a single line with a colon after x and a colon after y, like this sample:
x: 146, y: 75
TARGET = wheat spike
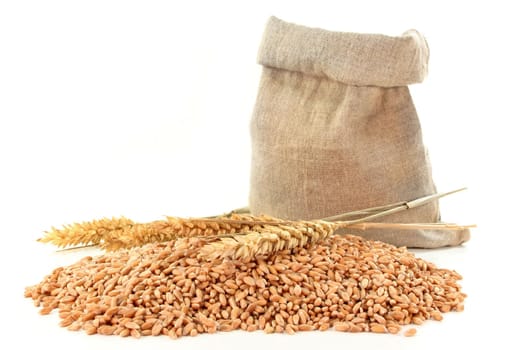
x: 117, y: 233
x: 236, y: 234
x: 175, y: 228
x: 277, y: 235
x: 267, y: 239
x: 85, y: 233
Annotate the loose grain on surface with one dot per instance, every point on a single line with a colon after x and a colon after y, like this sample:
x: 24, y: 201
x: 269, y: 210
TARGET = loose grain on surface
x: 343, y: 282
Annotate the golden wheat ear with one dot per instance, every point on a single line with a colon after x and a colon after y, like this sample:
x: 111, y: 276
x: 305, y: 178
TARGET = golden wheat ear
x: 239, y: 234
x: 170, y: 229
x: 267, y: 239
x: 275, y: 234
x: 85, y: 233
x: 119, y: 233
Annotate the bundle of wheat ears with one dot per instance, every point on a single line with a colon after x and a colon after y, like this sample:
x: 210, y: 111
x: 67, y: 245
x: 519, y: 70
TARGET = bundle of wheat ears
x: 235, y: 235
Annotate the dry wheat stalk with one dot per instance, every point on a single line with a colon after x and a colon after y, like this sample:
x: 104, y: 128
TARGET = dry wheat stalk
x: 236, y: 234
x: 281, y: 235
x: 278, y: 235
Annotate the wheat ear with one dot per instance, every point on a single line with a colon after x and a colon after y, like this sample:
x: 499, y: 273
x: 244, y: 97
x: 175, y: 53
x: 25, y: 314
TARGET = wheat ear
x: 267, y: 239
x: 275, y: 235
x: 117, y: 233
x: 86, y: 233
x: 174, y: 228
x: 230, y: 233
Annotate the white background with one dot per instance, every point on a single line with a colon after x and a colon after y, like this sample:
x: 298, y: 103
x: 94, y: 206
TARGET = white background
x: 141, y: 108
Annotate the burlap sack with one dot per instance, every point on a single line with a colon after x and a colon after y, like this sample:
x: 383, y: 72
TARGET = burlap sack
x: 334, y: 129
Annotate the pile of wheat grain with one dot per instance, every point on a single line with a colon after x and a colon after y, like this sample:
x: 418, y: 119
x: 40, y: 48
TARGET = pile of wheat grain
x: 342, y: 282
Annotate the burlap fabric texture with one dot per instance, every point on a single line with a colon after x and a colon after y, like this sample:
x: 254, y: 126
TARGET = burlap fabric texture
x: 334, y: 129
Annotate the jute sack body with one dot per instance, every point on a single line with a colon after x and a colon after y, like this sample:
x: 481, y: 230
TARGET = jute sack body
x: 334, y: 129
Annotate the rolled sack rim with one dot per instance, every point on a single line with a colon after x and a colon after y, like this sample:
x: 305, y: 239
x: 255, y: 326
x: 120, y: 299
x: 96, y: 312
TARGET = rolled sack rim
x: 351, y: 58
